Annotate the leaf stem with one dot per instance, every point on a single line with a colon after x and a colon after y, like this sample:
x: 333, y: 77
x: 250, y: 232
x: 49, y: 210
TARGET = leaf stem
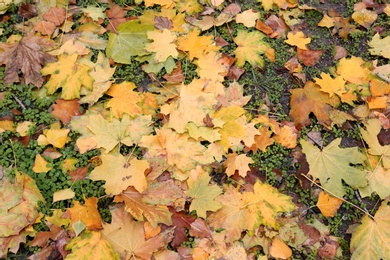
x: 334, y: 195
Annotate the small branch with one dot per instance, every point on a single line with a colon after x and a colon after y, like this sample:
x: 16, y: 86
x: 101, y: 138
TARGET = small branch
x: 19, y: 102
x: 350, y: 203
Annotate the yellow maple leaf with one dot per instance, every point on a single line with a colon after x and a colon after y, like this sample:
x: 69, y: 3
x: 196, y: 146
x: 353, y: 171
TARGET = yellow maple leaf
x: 240, y: 163
x: 380, y: 46
x: 91, y: 245
x: 269, y: 4
x: 182, y: 152
x: 202, y: 193
x: 250, y: 47
x: 120, y: 173
x: 249, y: 210
x: 248, y: 18
x: 87, y: 213
x: 188, y: 6
x: 56, y: 137
x: 331, y: 85
x: 69, y: 74
x: 326, y: 21
x: 163, y: 44
x: 40, y: 165
x: 297, y: 39
x: 196, y: 45
x: 163, y: 3
x: 102, y: 74
x: 352, y: 70
x: 364, y: 17
x: 211, y: 67
x: 124, y: 99
x: 328, y: 204
x: 193, y: 105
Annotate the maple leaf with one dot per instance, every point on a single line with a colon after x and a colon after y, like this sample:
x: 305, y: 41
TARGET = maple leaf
x: 379, y: 46
x: 211, y: 67
x: 91, y: 245
x: 87, y: 213
x: 234, y: 95
x: 143, y: 211
x: 249, y: 210
x: 125, y: 173
x: 250, y: 47
x: 332, y: 164
x: 371, y: 239
x: 56, y: 137
x: 69, y: 74
x: 162, y: 44
x: 328, y: 204
x: 248, y: 18
x: 102, y: 74
x: 190, y: 7
x: 194, y: 103
x: 181, y: 151
x: 331, y: 85
x: 364, y: 17
x: 19, y: 209
x: 202, y: 193
x: 373, y: 127
x: 124, y: 99
x: 129, y: 41
x: 378, y: 182
x: 116, y: 16
x: 27, y: 56
x: 40, y: 165
x: 196, y: 46
x: 240, y: 163
x: 352, y: 70
x: 284, y: 4
x: 128, y: 238
x: 98, y: 132
x: 308, y: 100
x: 66, y: 109
x: 297, y: 39
x: 162, y: 193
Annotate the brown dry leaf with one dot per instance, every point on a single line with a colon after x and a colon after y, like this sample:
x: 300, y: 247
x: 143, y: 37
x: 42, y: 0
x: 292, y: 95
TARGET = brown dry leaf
x: 56, y: 15
x: 27, y: 10
x: 309, y: 57
x: 45, y: 27
x: 116, y: 16
x: 261, y: 26
x: 26, y: 56
x: 341, y: 52
x: 66, y: 109
x: 176, y: 76
x: 278, y: 26
x: 87, y: 213
x: 328, y: 204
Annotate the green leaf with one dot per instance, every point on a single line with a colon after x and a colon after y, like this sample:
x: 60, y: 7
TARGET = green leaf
x: 202, y: 193
x: 129, y: 41
x: 250, y: 47
x: 333, y: 164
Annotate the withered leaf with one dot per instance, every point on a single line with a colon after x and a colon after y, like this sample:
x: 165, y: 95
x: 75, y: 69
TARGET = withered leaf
x: 26, y: 56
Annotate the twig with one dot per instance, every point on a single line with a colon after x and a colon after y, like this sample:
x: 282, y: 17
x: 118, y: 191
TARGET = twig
x: 19, y: 102
x: 350, y: 203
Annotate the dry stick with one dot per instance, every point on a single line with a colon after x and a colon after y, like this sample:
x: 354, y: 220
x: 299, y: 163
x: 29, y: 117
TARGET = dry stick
x: 350, y: 203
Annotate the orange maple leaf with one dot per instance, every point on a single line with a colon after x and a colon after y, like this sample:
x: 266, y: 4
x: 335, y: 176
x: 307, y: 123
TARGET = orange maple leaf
x: 124, y: 99
x: 87, y: 213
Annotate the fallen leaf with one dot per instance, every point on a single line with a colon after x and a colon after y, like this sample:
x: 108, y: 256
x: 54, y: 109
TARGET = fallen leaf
x: 331, y: 85
x: 378, y: 46
x: 69, y: 74
x: 91, y: 245
x: 297, y: 39
x: 279, y: 249
x: 66, y: 109
x: 203, y: 195
x: 163, y: 44
x: 125, y: 173
x: 40, y: 165
x: 328, y: 204
x: 124, y: 99
x: 371, y: 239
x: 64, y: 194
x: 250, y: 47
x: 333, y: 164
x: 364, y: 17
x: 27, y: 56
x: 87, y: 213
x: 238, y: 163
x: 248, y: 18
x: 309, y: 57
x: 127, y: 236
